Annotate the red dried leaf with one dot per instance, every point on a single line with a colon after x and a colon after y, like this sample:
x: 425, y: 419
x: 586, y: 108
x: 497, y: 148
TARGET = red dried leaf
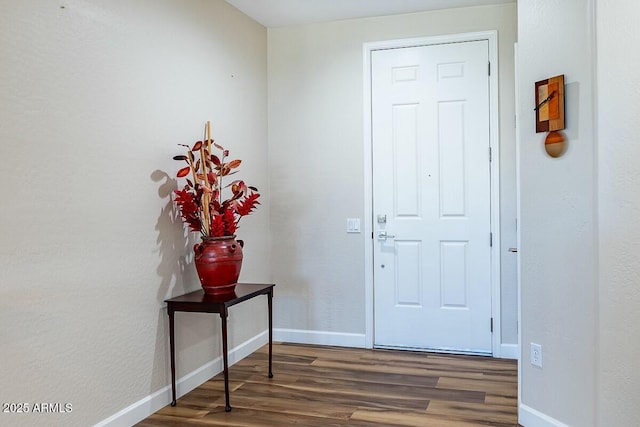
x: 217, y: 226
x: 183, y: 172
x: 248, y: 205
x: 238, y: 187
x: 188, y: 202
x: 229, y: 219
x: 181, y: 157
x: 234, y: 164
x: 215, y: 159
x: 218, y: 146
x: 212, y: 178
x: 197, y: 146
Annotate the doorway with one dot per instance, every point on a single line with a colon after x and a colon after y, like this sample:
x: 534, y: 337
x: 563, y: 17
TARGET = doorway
x: 432, y: 194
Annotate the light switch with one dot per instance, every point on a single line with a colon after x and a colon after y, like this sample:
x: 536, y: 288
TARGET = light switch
x: 353, y: 225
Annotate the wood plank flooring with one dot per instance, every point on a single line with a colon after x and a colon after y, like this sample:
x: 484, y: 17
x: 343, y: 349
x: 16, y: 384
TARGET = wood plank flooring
x: 331, y: 386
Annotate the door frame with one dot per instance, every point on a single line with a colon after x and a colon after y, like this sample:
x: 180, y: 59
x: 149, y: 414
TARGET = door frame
x: 494, y: 139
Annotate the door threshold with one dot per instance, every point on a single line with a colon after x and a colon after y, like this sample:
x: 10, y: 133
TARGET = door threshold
x: 435, y: 350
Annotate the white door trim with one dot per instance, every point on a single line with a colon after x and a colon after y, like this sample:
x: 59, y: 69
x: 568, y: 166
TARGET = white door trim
x: 494, y: 138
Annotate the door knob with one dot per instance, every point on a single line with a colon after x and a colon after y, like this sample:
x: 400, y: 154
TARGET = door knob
x: 513, y: 249
x: 382, y: 235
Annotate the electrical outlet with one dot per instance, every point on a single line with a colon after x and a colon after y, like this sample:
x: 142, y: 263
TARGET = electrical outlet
x: 536, y: 355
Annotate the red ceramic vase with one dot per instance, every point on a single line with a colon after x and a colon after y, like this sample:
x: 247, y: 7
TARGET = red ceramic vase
x: 218, y: 262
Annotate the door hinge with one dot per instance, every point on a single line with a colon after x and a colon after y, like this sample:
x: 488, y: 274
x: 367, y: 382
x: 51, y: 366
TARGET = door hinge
x: 489, y: 68
x: 491, y: 240
x: 372, y: 235
x: 491, y: 322
x: 490, y: 154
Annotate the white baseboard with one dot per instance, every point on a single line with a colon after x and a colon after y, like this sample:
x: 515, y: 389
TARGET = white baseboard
x: 299, y: 336
x: 510, y: 351
x: 529, y: 417
x: 146, y: 406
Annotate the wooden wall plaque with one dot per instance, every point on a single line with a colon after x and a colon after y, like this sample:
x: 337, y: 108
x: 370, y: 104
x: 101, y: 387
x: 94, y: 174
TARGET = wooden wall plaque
x: 550, y: 104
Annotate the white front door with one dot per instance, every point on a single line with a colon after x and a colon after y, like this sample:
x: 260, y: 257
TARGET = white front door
x: 431, y: 197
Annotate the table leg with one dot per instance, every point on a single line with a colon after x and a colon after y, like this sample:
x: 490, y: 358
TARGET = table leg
x: 270, y: 304
x: 173, y: 358
x: 225, y: 359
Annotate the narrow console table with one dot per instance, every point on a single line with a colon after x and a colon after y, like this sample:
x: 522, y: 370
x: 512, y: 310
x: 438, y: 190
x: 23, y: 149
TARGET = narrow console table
x: 200, y: 302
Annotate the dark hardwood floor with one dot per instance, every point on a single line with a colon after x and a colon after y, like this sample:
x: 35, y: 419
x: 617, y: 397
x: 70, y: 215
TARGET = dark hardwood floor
x: 330, y: 386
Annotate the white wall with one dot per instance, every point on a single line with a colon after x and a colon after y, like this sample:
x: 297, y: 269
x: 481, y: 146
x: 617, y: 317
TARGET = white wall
x: 316, y: 164
x: 558, y: 228
x: 94, y: 98
x: 619, y: 213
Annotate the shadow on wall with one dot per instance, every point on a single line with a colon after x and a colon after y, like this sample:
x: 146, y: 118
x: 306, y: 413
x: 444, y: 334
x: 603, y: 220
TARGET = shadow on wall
x: 175, y: 269
x: 572, y: 98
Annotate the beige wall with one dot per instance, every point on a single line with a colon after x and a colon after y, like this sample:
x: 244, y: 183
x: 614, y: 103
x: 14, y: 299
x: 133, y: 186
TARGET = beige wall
x: 618, y: 376
x: 580, y: 222
x: 316, y: 163
x: 94, y: 98
x: 558, y: 226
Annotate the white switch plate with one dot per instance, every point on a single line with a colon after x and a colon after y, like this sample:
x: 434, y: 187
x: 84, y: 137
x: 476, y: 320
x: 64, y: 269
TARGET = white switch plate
x: 536, y: 355
x: 353, y: 225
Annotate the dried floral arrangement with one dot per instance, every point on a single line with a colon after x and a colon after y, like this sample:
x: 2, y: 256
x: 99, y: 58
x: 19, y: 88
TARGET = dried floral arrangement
x: 201, y: 202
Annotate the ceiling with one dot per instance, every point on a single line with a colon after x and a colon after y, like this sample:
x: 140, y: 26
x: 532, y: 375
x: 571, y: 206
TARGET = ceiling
x: 282, y: 13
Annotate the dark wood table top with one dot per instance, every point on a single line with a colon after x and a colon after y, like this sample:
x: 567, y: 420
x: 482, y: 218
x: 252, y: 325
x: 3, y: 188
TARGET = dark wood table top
x: 242, y: 292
